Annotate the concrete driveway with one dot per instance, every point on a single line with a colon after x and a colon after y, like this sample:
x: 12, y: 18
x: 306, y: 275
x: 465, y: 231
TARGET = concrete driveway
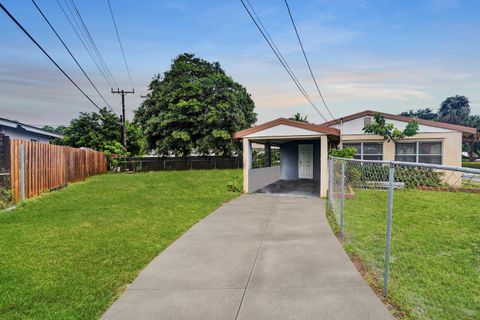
x: 257, y: 257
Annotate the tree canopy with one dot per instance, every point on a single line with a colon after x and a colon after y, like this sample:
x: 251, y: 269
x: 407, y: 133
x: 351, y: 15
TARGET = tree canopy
x: 426, y: 114
x: 194, y: 107
x: 455, y: 110
x: 101, y: 131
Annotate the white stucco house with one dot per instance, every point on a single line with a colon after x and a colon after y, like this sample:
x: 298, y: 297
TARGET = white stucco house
x: 304, y: 149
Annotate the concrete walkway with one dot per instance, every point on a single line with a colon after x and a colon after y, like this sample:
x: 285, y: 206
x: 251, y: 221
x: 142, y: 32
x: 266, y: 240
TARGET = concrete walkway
x: 257, y: 257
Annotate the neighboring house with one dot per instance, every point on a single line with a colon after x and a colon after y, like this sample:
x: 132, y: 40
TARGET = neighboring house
x: 16, y: 130
x: 304, y: 148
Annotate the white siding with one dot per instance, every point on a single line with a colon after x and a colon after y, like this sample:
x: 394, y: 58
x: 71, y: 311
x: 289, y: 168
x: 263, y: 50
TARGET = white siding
x: 283, y: 130
x: 355, y: 126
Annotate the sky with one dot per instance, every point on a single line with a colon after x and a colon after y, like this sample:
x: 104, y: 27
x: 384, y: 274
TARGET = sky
x: 390, y: 56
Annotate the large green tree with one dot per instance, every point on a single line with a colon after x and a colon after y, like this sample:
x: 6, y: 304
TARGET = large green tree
x: 194, y: 107
x: 101, y: 131
x: 455, y: 110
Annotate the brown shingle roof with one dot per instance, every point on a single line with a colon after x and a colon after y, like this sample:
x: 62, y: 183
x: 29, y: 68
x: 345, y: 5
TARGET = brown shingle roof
x: 302, y: 125
x: 437, y: 124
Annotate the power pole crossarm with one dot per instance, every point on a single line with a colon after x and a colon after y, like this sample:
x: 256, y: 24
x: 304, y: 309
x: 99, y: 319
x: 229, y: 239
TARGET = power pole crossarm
x: 123, y: 127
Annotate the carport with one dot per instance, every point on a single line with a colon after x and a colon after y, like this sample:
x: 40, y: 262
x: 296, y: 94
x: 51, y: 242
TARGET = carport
x: 303, y: 166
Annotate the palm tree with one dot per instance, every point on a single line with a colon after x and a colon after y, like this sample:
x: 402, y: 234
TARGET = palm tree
x: 298, y: 117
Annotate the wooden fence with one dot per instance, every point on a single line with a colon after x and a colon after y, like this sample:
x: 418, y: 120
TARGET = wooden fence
x: 48, y: 166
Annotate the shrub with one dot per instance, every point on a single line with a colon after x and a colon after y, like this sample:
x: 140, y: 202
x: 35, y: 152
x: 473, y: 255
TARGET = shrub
x: 416, y: 176
x: 234, y: 185
x: 5, y: 193
x: 412, y: 177
x: 469, y: 164
x: 344, y: 153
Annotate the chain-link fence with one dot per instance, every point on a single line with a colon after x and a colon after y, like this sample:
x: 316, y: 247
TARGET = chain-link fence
x: 415, y: 228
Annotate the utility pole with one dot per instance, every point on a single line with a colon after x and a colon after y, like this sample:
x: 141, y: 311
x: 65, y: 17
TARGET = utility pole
x: 122, y: 117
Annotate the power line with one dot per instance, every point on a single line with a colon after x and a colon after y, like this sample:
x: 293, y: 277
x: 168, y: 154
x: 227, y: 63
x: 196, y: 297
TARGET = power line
x: 83, y: 42
x: 71, y: 54
x: 273, y: 43
x: 279, y: 56
x: 306, y: 59
x: 88, y: 37
x: 48, y: 56
x: 120, y: 43
x: 92, y: 42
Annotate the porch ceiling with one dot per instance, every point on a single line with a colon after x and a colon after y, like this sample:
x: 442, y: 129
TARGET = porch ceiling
x: 275, y: 141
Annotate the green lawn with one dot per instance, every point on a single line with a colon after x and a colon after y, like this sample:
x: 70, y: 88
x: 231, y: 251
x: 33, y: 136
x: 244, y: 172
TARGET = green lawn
x: 435, y: 269
x: 70, y: 253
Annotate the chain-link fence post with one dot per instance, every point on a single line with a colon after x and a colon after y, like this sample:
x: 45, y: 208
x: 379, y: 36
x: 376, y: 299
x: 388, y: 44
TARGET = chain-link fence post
x: 391, y: 179
x: 342, y: 198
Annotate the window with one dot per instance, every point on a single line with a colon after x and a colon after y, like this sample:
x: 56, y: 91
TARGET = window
x: 425, y: 152
x: 367, y: 150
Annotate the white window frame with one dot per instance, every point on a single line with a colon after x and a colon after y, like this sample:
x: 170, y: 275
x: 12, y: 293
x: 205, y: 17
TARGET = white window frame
x: 361, y: 148
x: 417, y: 154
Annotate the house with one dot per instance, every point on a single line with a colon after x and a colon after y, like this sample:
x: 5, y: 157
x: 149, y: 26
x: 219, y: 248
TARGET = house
x: 16, y: 130
x: 304, y: 149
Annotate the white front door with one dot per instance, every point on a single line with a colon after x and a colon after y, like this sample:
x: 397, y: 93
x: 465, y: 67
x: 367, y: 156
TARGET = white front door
x: 305, y: 161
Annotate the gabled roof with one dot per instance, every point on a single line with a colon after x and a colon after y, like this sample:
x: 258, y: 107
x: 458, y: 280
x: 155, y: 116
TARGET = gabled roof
x: 436, y: 124
x: 302, y: 125
x: 15, y: 124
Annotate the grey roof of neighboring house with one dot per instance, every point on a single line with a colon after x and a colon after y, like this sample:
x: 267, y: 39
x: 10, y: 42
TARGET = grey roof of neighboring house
x: 15, y: 124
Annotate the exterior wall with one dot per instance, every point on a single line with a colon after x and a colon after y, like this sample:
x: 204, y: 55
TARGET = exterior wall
x: 451, y: 144
x: 261, y: 177
x: 15, y: 133
x: 4, y: 165
x: 289, y: 159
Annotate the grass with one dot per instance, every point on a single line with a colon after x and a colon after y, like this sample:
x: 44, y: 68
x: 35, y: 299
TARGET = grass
x: 70, y: 253
x: 435, y: 268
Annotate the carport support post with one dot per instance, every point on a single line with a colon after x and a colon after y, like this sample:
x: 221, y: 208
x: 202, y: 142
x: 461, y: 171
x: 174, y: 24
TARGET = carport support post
x: 247, y: 162
x: 391, y: 179
x: 268, y: 155
x: 342, y: 198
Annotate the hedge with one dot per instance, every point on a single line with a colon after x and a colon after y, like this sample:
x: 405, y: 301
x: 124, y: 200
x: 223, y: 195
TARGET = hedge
x: 468, y: 164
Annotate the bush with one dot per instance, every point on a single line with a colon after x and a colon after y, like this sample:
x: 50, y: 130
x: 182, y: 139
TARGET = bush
x: 469, y: 164
x: 5, y: 192
x: 415, y: 177
x: 412, y: 177
x: 234, y: 185
x: 258, y: 158
x: 344, y: 153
